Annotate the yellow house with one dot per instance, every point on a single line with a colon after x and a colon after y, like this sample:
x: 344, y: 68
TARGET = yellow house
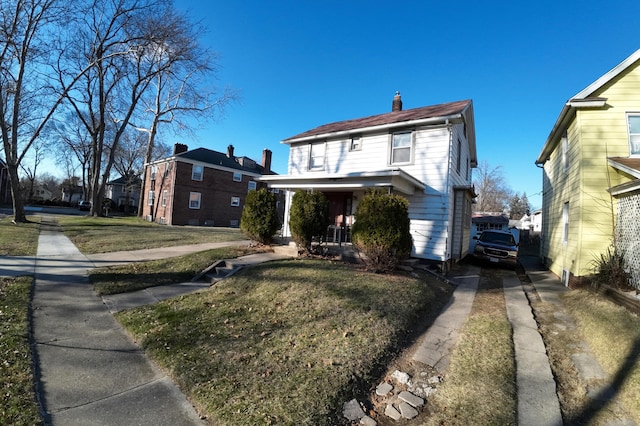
x: 591, y: 177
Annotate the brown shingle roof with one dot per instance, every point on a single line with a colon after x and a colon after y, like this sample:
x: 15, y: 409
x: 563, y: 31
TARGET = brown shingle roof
x: 632, y: 163
x: 433, y: 111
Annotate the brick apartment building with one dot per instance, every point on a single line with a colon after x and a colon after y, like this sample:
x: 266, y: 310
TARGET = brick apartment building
x: 202, y: 187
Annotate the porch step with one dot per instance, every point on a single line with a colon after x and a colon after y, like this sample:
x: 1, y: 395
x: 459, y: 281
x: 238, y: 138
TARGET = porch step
x: 218, y: 271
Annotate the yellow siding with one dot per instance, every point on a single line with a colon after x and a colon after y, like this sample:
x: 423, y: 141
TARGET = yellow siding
x: 594, y: 135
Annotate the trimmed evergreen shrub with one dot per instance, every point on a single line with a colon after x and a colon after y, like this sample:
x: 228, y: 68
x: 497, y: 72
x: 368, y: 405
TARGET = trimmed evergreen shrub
x: 259, y: 219
x: 309, y: 217
x: 381, y: 230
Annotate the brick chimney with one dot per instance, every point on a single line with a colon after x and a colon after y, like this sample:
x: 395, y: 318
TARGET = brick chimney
x: 266, y: 159
x: 397, y: 103
x: 179, y: 148
x: 230, y: 151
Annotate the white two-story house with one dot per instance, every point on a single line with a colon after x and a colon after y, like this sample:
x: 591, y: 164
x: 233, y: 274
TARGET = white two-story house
x: 425, y: 154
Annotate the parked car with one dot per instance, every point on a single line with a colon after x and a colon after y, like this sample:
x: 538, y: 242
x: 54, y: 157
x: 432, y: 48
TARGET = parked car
x: 497, y: 246
x: 84, y: 205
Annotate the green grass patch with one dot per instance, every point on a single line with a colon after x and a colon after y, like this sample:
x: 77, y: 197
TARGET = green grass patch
x: 284, y: 342
x: 139, y: 275
x: 107, y: 234
x: 480, y: 386
x: 19, y: 239
x: 18, y: 406
x: 613, y: 333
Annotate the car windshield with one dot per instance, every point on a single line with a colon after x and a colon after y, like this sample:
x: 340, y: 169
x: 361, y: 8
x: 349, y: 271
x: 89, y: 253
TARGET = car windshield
x: 498, y: 238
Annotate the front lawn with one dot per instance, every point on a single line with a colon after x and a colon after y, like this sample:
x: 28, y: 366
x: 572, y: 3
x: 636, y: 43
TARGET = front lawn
x: 18, y: 406
x: 285, y: 342
x: 140, y: 275
x: 19, y: 239
x: 107, y: 234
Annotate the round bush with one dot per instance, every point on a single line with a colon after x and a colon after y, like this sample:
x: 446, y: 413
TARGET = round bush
x: 259, y: 219
x: 381, y: 230
x: 309, y: 217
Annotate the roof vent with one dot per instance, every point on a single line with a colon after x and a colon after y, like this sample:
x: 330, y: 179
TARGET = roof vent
x: 397, y: 103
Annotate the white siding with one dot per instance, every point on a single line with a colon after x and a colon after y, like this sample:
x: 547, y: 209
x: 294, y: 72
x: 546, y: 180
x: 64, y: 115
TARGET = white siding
x: 434, y: 156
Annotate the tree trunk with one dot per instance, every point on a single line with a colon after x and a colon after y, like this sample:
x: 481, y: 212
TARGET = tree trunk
x: 18, y: 204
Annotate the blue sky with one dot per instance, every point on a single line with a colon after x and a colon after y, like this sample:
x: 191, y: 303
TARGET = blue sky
x: 300, y: 64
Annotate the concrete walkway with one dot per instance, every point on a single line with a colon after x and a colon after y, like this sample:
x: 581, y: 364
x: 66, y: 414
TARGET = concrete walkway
x: 537, y: 399
x: 89, y: 370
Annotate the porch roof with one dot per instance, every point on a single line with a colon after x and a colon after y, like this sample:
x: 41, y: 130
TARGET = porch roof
x: 396, y: 179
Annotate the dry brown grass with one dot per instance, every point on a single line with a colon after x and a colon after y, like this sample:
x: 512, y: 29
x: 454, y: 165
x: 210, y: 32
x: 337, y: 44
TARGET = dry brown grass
x: 480, y: 385
x: 285, y: 342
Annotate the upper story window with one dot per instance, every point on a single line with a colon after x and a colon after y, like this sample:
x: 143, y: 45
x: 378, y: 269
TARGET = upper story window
x: 237, y: 177
x: 196, y: 172
x: 565, y: 153
x: 252, y: 186
x: 154, y: 170
x: 316, y: 156
x: 634, y: 134
x: 459, y: 157
x: 356, y: 144
x: 401, y: 148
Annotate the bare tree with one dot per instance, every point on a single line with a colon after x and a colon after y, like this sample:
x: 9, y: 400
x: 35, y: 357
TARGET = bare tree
x: 182, y: 86
x: 73, y: 149
x: 26, y: 99
x: 111, y: 38
x: 38, y: 152
x: 493, y: 191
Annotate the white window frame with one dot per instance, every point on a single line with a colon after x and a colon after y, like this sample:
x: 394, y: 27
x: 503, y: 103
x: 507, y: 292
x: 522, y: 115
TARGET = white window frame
x: 634, y: 134
x: 396, y: 139
x: 565, y: 153
x: 317, y: 152
x: 194, y: 200
x: 154, y: 170
x: 195, y: 174
x: 565, y: 223
x: 252, y: 186
x: 355, y: 144
x: 165, y: 194
x: 235, y: 201
x: 151, y: 198
x: 237, y: 177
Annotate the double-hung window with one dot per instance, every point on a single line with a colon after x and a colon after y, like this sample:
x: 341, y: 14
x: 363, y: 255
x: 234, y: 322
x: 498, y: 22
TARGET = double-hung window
x: 164, y: 198
x: 401, y: 148
x: 194, y: 200
x: 565, y: 223
x: 237, y: 177
x: 634, y: 134
x: 316, y: 156
x: 252, y: 186
x: 151, y: 197
x: 235, y: 201
x: 196, y: 172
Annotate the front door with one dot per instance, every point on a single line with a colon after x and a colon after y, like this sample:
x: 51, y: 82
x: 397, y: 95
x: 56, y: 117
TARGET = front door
x: 340, y: 212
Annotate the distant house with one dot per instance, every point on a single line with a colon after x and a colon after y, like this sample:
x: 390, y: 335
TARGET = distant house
x: 5, y: 184
x: 531, y: 222
x: 124, y: 192
x: 71, y: 191
x: 483, y: 221
x: 424, y: 154
x: 202, y: 187
x: 591, y: 177
x: 41, y: 193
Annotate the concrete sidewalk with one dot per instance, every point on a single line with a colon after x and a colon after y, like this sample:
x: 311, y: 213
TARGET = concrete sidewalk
x: 88, y: 369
